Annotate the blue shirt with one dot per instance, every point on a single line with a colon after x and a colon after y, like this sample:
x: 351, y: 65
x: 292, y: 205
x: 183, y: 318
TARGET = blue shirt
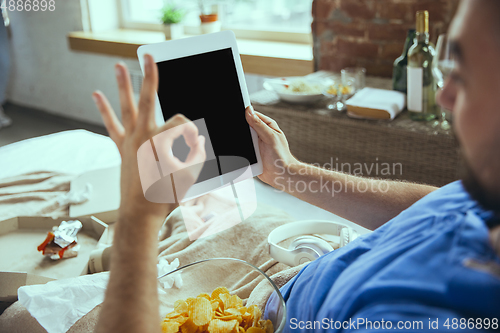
x: 409, y: 272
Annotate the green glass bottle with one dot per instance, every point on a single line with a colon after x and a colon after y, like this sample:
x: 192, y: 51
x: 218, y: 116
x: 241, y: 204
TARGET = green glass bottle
x: 421, y: 83
x: 399, y: 79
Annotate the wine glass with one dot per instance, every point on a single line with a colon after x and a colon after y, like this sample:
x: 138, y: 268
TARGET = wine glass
x: 357, y: 75
x: 442, y: 65
x: 339, y: 92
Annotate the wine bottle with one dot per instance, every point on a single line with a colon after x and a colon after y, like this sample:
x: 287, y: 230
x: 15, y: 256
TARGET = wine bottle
x: 399, y: 78
x: 421, y: 83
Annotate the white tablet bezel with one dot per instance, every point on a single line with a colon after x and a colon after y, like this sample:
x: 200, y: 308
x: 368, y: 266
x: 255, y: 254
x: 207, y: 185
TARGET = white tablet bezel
x: 184, y: 47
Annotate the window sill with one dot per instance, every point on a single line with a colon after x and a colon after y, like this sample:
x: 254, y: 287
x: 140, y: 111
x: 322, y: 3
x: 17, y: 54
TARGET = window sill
x: 258, y: 57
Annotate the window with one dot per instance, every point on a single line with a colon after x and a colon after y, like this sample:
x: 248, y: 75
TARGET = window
x: 285, y: 20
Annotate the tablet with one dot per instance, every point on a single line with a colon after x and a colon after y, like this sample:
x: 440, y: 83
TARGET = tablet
x: 202, y: 78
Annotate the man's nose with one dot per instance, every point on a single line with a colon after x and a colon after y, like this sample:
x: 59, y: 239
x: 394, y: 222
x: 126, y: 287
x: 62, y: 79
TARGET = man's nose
x: 446, y: 96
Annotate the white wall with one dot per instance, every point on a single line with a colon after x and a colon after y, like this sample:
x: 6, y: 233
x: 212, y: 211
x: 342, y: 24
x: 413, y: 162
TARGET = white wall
x: 47, y: 75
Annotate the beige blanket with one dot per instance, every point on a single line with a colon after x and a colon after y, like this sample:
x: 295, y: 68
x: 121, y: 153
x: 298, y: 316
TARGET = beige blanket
x: 34, y: 194
x: 246, y: 241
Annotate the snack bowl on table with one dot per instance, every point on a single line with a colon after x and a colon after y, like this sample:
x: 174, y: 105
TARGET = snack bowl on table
x: 201, y: 278
x: 298, y: 90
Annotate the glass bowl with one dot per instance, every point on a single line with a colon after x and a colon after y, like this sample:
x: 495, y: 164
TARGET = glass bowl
x: 238, y: 276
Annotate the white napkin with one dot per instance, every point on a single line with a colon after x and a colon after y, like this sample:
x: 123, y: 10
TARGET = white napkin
x: 164, y: 267
x: 393, y: 102
x: 57, y: 305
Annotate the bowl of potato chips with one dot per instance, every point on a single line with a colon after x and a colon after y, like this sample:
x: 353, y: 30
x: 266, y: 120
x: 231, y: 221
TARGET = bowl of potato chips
x: 221, y: 295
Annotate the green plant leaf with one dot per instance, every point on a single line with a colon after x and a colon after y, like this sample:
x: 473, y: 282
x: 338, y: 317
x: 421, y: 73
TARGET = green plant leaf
x: 171, y: 14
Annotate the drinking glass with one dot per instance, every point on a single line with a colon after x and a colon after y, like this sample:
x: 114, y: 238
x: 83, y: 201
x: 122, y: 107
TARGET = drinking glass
x: 339, y: 92
x: 356, y: 75
x: 442, y: 65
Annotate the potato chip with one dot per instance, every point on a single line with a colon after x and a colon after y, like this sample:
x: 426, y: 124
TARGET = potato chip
x: 189, y: 327
x: 225, y: 298
x: 203, y: 328
x: 221, y: 326
x: 218, y: 291
x: 255, y: 330
x: 242, y: 310
x: 169, y: 327
x: 255, y: 313
x: 216, y: 304
x: 173, y: 314
x: 219, y: 312
x: 267, y: 325
x: 180, y: 319
x: 205, y: 295
x: 181, y: 306
x: 200, y: 311
x: 235, y: 313
x: 229, y: 317
x: 235, y: 302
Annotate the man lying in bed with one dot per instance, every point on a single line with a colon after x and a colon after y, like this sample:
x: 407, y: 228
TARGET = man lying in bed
x: 432, y: 260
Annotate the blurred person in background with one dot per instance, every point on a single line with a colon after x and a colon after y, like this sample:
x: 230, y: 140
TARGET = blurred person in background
x: 4, y: 68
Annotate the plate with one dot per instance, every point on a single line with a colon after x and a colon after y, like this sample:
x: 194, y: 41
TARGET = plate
x: 281, y: 86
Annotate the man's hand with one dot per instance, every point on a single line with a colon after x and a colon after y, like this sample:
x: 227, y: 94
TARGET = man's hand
x: 274, y: 150
x: 138, y: 127
x: 131, y: 302
x: 333, y: 191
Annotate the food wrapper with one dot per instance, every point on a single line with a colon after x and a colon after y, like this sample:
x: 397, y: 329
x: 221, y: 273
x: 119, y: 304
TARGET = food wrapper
x: 61, y: 242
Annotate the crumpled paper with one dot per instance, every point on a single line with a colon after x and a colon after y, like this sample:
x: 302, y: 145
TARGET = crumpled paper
x: 172, y: 280
x: 57, y: 305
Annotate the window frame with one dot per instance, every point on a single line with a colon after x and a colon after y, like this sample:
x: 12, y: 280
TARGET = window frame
x: 265, y: 35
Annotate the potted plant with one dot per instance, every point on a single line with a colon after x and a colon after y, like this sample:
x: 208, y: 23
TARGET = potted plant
x: 171, y: 18
x: 209, y: 22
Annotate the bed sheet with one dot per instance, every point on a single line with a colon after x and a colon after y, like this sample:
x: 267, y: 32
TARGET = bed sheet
x: 71, y: 152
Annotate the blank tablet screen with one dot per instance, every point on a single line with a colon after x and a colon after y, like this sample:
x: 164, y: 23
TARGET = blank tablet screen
x: 206, y: 86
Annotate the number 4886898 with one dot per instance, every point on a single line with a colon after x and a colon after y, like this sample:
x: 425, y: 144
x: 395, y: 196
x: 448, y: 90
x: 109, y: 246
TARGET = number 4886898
x: 28, y: 5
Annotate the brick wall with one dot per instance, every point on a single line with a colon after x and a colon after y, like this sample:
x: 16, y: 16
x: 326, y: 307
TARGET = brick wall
x: 370, y: 33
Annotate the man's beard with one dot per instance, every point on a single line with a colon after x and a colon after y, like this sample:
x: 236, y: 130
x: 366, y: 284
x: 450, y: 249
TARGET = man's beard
x: 487, y: 199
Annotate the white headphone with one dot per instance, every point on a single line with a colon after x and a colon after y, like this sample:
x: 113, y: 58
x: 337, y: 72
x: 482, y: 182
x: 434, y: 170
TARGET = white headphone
x: 307, y: 248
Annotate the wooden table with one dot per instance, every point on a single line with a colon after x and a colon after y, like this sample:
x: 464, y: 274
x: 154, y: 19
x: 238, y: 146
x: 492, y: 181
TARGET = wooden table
x: 400, y: 149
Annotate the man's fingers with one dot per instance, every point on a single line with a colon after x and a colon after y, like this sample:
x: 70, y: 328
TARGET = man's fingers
x: 197, y: 153
x: 269, y: 121
x: 265, y: 132
x: 113, y: 125
x: 175, y: 127
x: 180, y: 125
x: 148, y: 94
x: 129, y: 111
